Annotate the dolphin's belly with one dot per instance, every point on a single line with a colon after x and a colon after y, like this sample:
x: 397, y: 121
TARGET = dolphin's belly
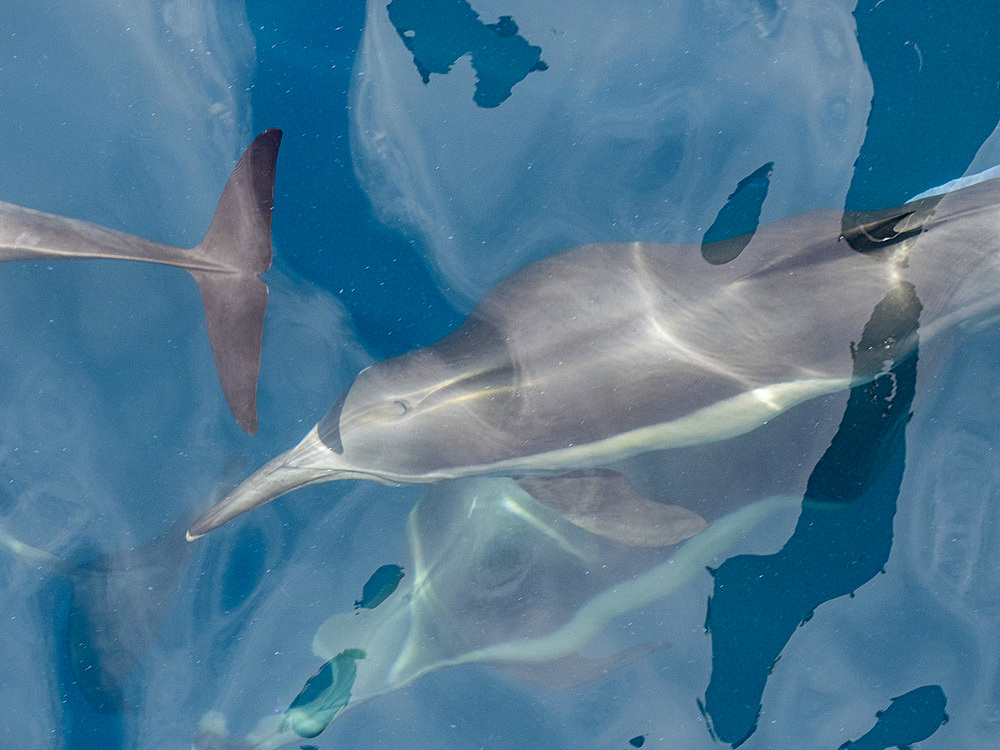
x: 720, y: 421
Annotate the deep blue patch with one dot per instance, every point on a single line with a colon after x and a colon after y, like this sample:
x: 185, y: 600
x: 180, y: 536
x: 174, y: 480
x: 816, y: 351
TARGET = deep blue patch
x: 928, y: 61
x: 323, y: 227
x: 380, y: 586
x: 737, y: 220
x: 911, y: 717
x: 439, y: 32
x: 842, y: 538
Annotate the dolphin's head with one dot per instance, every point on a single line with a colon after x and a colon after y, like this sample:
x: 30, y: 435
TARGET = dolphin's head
x: 403, y: 420
x: 319, y: 457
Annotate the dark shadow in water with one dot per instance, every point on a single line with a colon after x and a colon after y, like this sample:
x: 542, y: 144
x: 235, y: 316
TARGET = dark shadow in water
x: 439, y: 32
x: 119, y: 602
x: 108, y: 612
x: 379, y: 586
x: 244, y: 568
x: 737, y: 221
x: 923, y: 73
x: 323, y: 226
x: 911, y: 717
x: 843, y: 535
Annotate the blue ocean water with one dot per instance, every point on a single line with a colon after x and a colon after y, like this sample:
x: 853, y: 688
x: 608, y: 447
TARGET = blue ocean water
x: 431, y: 147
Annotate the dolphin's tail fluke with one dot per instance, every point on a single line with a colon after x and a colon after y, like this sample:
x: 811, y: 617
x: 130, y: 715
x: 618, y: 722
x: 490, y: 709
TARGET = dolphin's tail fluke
x: 239, y: 238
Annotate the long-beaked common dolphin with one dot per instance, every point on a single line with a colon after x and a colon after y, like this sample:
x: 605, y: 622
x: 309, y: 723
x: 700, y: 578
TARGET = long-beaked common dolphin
x: 612, y: 350
x: 225, y: 264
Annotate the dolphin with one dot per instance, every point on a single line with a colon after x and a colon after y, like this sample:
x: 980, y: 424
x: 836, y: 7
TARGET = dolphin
x: 118, y: 603
x: 612, y: 350
x: 495, y: 577
x: 225, y: 264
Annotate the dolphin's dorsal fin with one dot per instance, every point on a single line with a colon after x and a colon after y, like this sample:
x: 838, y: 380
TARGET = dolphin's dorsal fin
x: 877, y: 231
x: 605, y: 503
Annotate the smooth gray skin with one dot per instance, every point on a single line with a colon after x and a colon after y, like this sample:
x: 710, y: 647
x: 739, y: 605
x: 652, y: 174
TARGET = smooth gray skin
x: 226, y: 264
x: 612, y: 350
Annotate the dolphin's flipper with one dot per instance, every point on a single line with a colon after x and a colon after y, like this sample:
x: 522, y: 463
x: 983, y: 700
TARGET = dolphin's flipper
x: 235, y: 300
x: 605, y: 503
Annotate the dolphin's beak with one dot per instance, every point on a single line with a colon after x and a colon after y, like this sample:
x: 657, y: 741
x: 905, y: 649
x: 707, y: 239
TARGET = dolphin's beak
x: 281, y: 475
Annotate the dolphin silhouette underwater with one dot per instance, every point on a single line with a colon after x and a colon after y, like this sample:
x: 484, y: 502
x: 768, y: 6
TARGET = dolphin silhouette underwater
x: 492, y: 577
x: 117, y: 606
x: 225, y: 264
x: 613, y: 350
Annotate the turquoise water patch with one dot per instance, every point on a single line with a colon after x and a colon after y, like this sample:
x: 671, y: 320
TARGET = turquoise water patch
x: 324, y: 694
x: 380, y: 586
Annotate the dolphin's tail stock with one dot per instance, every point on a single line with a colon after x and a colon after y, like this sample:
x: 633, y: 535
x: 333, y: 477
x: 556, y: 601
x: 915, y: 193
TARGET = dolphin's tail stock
x: 235, y: 298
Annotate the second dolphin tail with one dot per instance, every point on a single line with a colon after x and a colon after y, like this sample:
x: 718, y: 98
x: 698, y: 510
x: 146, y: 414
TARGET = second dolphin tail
x: 235, y: 298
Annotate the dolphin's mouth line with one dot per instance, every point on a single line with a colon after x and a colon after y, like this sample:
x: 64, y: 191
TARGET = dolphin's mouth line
x: 336, y: 475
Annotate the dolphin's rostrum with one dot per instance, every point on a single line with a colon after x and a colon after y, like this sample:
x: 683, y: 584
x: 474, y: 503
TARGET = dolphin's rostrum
x: 226, y: 264
x: 612, y: 350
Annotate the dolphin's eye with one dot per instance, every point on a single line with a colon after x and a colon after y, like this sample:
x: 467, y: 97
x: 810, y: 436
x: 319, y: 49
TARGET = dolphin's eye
x: 401, y: 406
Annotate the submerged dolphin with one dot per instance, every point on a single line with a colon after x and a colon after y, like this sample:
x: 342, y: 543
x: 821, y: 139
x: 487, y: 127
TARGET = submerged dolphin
x: 493, y: 577
x: 613, y: 350
x: 117, y: 608
x: 226, y: 264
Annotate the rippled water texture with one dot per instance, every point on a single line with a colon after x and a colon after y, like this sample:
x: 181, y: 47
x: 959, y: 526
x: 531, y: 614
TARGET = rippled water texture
x: 627, y: 134
x: 476, y: 137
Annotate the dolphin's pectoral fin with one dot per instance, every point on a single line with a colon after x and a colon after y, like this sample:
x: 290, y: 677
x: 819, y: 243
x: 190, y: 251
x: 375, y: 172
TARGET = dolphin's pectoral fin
x: 605, y: 503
